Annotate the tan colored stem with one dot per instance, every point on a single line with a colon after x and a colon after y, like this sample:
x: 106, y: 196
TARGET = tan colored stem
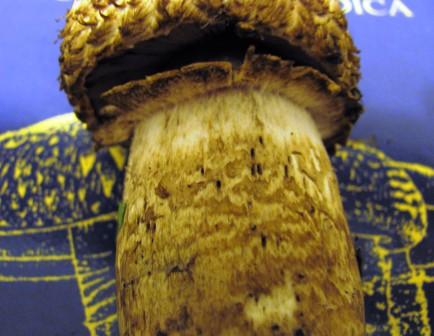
x: 234, y: 225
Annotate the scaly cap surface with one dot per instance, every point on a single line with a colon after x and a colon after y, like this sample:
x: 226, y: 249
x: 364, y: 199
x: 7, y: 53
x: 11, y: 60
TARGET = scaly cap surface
x: 326, y: 66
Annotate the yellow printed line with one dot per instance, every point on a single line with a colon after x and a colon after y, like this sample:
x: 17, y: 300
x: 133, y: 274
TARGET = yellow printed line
x: 428, y: 279
x: 98, y: 255
x: 41, y: 127
x: 92, y: 283
x: 107, y: 322
x: 393, y: 322
x: 424, y: 266
x: 34, y: 258
x: 98, y: 290
x: 89, y: 274
x: 36, y: 279
x: 418, y: 279
x: 92, y: 326
x: 80, y: 224
x: 108, y: 319
x: 75, y: 265
x: 107, y: 330
x: 401, y: 249
x: 376, y: 238
x: 91, y: 310
x: 415, y: 167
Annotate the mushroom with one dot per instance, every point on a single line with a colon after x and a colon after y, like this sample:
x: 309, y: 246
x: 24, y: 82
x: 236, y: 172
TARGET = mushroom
x: 233, y: 220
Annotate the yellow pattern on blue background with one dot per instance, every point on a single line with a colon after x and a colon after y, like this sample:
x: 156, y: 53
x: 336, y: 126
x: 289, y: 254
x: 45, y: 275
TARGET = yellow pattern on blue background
x: 59, y: 199
x: 389, y: 205
x: 57, y: 214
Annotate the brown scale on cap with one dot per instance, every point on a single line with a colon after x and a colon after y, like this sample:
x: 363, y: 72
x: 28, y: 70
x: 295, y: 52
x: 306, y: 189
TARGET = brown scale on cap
x: 308, y: 40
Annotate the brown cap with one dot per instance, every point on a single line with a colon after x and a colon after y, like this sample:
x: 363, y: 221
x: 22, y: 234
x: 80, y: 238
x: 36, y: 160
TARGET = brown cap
x: 118, y: 55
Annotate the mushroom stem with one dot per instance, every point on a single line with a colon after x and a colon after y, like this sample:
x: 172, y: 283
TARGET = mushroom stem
x: 234, y: 224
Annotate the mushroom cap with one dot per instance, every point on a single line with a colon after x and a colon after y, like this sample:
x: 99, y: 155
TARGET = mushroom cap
x: 124, y: 59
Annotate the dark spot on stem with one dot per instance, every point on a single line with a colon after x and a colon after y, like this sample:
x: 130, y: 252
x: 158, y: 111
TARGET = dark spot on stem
x: 299, y: 332
x: 359, y: 258
x: 312, y: 210
x: 252, y: 153
x: 261, y: 140
x: 259, y: 168
x: 175, y: 269
x: 297, y: 298
x: 151, y: 227
x: 286, y: 171
x: 301, y: 214
x: 160, y: 333
x: 162, y: 192
x: 218, y: 184
x: 150, y: 216
x: 253, y: 169
x: 277, y: 241
x: 253, y: 227
x: 202, y: 171
x: 187, y: 268
x: 180, y: 323
x: 263, y: 240
x: 275, y: 327
x: 300, y: 276
x: 254, y: 296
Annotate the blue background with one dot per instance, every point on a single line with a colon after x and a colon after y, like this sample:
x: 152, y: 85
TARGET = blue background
x: 397, y: 67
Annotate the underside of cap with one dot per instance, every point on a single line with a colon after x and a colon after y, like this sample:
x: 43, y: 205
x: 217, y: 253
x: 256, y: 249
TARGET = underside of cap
x: 121, y: 60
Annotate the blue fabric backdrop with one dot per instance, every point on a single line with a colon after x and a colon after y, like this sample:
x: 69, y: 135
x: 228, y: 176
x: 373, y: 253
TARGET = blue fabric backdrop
x: 57, y: 234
